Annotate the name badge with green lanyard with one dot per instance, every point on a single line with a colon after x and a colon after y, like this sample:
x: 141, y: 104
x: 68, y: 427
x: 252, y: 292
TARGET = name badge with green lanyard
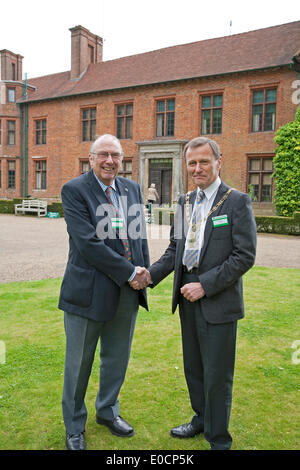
x: 220, y: 221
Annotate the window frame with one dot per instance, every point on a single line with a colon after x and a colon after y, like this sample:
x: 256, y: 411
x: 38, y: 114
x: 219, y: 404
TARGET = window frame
x: 42, y: 131
x: 123, y: 172
x: 11, y: 174
x: 126, y: 117
x: 264, y: 103
x: 166, y: 114
x: 211, y: 108
x: 261, y: 172
x: 84, y: 161
x: 91, y: 123
x: 8, y: 90
x: 43, y: 174
x: 10, y: 131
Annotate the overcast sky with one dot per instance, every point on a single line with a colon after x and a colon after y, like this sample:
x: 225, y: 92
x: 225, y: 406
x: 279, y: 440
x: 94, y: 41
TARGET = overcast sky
x: 39, y: 30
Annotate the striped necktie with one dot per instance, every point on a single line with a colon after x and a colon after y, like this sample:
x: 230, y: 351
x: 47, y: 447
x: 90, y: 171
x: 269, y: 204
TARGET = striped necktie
x: 190, y: 257
x: 119, y: 224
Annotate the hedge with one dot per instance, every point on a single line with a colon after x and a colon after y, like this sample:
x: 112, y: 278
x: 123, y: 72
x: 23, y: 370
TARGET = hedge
x: 265, y: 224
x: 165, y: 216
x: 280, y: 225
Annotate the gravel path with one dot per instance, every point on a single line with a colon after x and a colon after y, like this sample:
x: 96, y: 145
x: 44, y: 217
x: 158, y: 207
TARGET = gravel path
x: 37, y: 248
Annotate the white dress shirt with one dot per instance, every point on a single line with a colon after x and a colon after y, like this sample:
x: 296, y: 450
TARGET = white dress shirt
x: 205, y: 206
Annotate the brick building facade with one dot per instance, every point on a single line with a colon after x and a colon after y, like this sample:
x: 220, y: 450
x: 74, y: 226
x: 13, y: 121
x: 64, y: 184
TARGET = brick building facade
x: 236, y: 90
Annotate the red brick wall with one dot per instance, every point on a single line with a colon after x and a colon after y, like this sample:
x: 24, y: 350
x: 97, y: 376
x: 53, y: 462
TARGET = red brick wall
x: 64, y: 146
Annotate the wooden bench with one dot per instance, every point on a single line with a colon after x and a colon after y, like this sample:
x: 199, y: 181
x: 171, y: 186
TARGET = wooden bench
x: 32, y: 205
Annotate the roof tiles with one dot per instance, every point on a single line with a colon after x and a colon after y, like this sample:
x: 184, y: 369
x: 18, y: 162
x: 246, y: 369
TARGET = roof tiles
x: 263, y: 48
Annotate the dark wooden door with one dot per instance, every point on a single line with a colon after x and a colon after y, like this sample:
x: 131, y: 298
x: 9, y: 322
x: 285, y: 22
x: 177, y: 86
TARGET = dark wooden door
x: 160, y: 173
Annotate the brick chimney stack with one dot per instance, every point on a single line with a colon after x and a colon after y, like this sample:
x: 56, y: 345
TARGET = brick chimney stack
x: 86, y: 48
x: 10, y: 66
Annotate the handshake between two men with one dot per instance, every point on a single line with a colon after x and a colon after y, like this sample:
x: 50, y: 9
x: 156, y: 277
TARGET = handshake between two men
x: 142, y: 278
x: 192, y: 291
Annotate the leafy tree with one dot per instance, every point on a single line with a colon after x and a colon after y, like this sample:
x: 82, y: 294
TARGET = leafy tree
x: 287, y: 168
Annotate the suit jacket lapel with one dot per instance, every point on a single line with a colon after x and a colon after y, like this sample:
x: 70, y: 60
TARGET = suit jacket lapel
x: 208, y: 227
x: 96, y: 188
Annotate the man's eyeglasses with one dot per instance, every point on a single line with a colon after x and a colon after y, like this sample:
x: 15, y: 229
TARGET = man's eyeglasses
x: 104, y: 155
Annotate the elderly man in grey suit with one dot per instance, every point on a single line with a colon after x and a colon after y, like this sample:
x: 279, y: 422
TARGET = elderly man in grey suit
x: 107, y: 250
x: 212, y: 244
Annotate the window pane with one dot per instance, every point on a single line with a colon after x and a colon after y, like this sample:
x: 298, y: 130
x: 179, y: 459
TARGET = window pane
x: 254, y: 178
x: 257, y: 118
x: 38, y: 180
x: 171, y: 105
x: 267, y: 180
x: 254, y: 164
x: 85, y: 166
x: 160, y: 125
x: 217, y: 100
x: 120, y: 127
x: 129, y: 127
x: 270, y: 117
x: 85, y: 126
x: 38, y: 137
x: 160, y: 106
x: 93, y: 130
x: 93, y: 113
x: 11, y: 165
x: 11, y: 95
x: 85, y: 114
x: 120, y: 110
x: 205, y: 122
x: 217, y: 121
x: 44, y: 180
x: 268, y: 164
x: 170, y: 124
x: 271, y: 95
x: 206, y: 101
x: 128, y: 166
x: 254, y: 182
x: 129, y: 109
x: 258, y: 97
x: 266, y: 189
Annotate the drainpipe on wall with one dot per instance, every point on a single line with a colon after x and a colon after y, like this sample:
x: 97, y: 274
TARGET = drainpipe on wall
x: 25, y: 149
x: 21, y: 148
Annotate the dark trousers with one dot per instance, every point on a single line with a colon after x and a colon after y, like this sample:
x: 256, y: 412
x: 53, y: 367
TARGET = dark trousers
x: 209, y: 356
x: 82, y: 336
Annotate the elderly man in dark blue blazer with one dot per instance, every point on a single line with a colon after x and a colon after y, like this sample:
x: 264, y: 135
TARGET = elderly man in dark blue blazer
x: 107, y: 251
x: 212, y: 244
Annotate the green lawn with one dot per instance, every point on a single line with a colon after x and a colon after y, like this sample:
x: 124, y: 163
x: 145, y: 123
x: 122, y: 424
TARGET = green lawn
x: 154, y: 398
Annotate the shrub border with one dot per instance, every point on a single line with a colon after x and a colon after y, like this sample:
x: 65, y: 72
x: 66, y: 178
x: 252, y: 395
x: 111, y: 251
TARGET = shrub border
x: 265, y: 224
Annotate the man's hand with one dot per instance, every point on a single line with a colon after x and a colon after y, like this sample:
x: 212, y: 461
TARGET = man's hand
x: 193, y: 291
x: 141, y: 280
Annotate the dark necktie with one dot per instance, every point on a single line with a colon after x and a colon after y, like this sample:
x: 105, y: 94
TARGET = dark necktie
x: 120, y: 225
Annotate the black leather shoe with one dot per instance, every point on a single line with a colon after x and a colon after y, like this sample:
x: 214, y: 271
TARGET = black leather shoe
x: 75, y: 442
x: 186, y: 430
x: 118, y: 426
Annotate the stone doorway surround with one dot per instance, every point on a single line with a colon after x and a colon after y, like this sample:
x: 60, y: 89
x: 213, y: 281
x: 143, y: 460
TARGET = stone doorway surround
x: 151, y: 149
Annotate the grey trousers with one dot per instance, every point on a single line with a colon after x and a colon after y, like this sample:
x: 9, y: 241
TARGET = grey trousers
x: 209, y: 357
x: 82, y: 336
